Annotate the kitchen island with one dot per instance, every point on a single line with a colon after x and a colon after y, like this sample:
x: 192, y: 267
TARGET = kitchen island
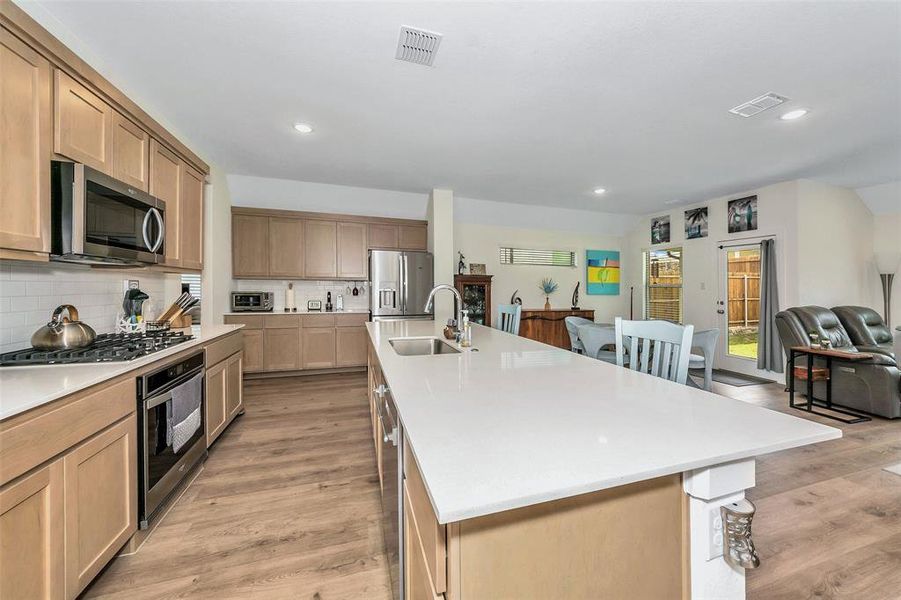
x: 531, y: 472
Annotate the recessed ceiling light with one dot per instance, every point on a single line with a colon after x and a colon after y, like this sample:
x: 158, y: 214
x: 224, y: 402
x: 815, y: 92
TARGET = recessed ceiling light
x: 794, y: 114
x: 303, y: 127
x: 599, y: 191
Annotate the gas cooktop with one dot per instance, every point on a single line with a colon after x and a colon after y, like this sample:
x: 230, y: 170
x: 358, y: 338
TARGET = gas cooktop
x: 108, y: 347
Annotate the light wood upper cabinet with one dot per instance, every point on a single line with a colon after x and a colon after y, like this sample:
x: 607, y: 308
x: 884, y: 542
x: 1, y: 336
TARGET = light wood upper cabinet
x: 191, y: 218
x: 165, y: 184
x: 82, y: 124
x: 32, y: 538
x: 318, y: 347
x: 250, y: 246
x: 131, y: 149
x: 412, y: 237
x: 281, y: 349
x: 286, y: 247
x: 25, y: 136
x: 101, y: 503
x: 382, y: 236
x: 320, y: 248
x: 352, y: 251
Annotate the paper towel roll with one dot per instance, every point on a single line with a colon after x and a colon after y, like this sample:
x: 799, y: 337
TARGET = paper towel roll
x: 289, y: 297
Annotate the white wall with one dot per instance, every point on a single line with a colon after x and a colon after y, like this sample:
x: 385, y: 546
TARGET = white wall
x: 835, y: 247
x: 480, y: 243
x: 286, y: 194
x: 216, y: 279
x: 441, y: 244
x: 777, y: 216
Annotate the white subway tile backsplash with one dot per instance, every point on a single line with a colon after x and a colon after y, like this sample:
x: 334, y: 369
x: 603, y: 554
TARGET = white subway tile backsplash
x: 309, y: 290
x: 30, y: 292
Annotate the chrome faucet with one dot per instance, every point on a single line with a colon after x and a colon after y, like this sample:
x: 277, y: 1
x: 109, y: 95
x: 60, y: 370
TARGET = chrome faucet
x: 458, y: 302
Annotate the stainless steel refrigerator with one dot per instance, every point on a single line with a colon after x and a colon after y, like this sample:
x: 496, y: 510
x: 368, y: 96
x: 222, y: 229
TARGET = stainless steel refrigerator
x: 399, y: 284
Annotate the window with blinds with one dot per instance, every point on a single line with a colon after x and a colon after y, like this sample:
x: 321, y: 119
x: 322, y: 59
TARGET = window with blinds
x: 541, y: 258
x: 663, y: 284
x: 190, y: 282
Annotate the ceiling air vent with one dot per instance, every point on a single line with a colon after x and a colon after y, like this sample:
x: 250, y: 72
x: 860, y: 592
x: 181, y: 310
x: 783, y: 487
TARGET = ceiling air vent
x: 758, y: 105
x: 417, y: 46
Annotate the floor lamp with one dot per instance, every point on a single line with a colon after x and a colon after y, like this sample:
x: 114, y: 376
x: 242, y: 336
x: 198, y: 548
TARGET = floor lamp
x: 887, y: 264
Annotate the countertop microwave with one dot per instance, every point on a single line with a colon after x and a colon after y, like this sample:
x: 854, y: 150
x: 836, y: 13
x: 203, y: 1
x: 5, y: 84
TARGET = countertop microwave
x: 252, y: 301
x: 97, y: 219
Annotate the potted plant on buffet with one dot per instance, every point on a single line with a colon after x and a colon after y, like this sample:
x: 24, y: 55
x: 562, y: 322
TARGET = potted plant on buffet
x: 548, y: 286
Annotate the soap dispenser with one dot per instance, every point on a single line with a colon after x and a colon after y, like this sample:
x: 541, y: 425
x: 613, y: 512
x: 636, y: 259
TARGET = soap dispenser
x: 466, y: 330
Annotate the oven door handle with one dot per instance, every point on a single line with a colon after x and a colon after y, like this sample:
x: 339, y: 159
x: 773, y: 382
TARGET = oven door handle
x: 157, y: 400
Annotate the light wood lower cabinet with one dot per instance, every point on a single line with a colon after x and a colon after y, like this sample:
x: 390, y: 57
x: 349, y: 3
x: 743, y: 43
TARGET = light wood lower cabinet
x: 318, y: 347
x: 282, y: 349
x: 32, y: 535
x: 418, y: 581
x: 290, y: 342
x: 350, y: 346
x: 224, y: 395
x: 26, y: 138
x: 253, y: 350
x: 101, y: 504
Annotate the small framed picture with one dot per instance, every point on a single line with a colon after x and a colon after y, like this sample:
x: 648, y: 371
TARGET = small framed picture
x: 742, y: 214
x: 660, y: 230
x: 477, y: 268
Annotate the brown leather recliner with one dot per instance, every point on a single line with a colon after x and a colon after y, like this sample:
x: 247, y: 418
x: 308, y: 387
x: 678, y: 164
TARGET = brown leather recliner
x: 872, y: 385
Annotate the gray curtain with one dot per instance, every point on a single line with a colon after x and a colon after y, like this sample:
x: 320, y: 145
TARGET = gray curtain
x: 769, y: 348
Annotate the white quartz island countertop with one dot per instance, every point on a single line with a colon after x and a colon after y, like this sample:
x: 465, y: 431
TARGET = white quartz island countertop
x: 513, y: 422
x: 24, y: 388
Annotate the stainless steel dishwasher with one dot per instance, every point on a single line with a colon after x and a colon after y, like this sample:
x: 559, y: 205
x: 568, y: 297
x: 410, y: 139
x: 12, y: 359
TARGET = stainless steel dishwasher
x: 392, y: 497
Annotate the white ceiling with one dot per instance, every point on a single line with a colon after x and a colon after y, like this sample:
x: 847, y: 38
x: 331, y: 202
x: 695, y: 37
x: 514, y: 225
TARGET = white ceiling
x: 533, y: 103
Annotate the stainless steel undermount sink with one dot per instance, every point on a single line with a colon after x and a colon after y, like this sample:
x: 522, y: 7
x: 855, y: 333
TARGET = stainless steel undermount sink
x: 421, y: 346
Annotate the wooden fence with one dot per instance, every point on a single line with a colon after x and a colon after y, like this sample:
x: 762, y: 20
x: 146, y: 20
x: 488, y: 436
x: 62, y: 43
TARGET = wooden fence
x: 744, y: 291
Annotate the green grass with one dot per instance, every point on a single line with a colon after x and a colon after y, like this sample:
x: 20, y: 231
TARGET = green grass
x: 743, y: 343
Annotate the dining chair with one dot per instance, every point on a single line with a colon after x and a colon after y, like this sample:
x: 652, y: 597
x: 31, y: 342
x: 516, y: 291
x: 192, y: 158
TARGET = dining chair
x: 572, y: 328
x: 594, y: 338
x: 658, y: 348
x: 508, y: 318
x: 705, y: 339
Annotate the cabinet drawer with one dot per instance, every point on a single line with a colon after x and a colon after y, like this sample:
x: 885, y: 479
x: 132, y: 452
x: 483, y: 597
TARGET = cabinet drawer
x: 224, y: 347
x: 281, y: 321
x: 432, y: 535
x: 248, y: 321
x: 319, y: 320
x: 418, y: 580
x: 26, y: 443
x: 351, y: 320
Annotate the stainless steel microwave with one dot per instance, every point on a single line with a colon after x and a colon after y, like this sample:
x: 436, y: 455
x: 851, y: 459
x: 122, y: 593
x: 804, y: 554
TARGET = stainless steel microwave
x: 99, y: 220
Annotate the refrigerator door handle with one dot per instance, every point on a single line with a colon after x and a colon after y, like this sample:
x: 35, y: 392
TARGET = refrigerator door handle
x: 406, y: 286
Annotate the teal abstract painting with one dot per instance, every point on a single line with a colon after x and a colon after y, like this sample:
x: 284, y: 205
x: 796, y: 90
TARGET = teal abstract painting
x: 602, y: 272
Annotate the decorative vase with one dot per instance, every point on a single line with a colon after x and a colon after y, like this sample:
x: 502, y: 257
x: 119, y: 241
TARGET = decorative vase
x: 547, y: 303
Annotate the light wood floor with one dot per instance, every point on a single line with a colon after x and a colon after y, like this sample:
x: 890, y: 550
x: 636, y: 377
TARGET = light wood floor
x: 828, y: 519
x: 288, y: 507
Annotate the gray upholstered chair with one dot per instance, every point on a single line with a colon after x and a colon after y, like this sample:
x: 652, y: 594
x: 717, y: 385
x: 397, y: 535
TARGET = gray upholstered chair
x: 572, y: 328
x: 594, y: 337
x: 872, y: 385
x: 866, y: 329
x: 705, y: 340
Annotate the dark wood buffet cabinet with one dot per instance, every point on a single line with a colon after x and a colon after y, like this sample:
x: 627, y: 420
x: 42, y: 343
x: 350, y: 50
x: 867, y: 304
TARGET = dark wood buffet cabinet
x: 548, y: 326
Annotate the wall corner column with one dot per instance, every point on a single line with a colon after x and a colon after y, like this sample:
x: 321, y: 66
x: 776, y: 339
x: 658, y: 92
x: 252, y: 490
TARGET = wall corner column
x: 441, y: 245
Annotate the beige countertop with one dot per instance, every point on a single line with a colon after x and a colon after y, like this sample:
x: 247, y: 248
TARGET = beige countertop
x: 24, y: 388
